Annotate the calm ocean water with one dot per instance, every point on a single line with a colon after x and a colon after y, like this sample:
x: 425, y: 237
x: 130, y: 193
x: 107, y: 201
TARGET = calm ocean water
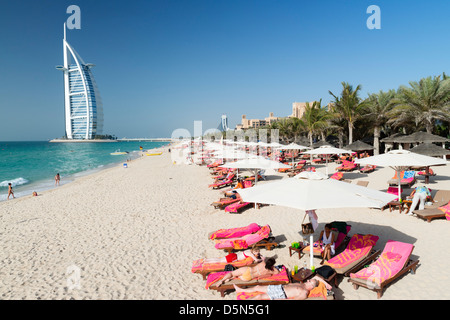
x: 31, y: 165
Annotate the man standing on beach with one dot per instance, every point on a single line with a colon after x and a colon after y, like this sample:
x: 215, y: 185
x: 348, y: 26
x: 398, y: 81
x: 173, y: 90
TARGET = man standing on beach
x: 57, y: 178
x: 10, y: 191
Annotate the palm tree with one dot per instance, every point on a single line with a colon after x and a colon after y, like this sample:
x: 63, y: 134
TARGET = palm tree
x: 314, y: 119
x: 348, y: 105
x: 423, y: 102
x: 378, y: 106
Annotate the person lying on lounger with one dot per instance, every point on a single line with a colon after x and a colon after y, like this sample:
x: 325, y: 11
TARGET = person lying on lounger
x: 254, y: 252
x: 232, y: 192
x: 261, y: 270
x: 295, y: 291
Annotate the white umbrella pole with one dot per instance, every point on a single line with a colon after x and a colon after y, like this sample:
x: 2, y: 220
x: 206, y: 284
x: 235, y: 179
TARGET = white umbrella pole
x: 326, y: 169
x: 311, y: 251
x: 256, y: 180
x: 399, y: 186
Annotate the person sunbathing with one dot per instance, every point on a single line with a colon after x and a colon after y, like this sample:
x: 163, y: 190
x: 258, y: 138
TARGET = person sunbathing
x: 232, y: 192
x: 294, y: 291
x: 254, y: 253
x: 261, y: 270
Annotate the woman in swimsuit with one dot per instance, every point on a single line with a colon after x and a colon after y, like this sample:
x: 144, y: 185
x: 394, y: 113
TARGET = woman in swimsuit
x: 261, y: 270
x: 327, y: 243
x: 254, y: 252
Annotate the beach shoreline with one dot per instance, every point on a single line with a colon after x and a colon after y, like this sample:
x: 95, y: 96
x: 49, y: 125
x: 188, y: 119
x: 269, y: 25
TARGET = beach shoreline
x: 43, y: 185
x: 133, y: 233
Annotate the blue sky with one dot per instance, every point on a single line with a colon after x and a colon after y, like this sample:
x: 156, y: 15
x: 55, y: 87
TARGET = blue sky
x: 161, y: 65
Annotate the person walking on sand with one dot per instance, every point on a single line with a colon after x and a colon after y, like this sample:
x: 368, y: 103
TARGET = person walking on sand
x: 10, y: 191
x: 57, y: 178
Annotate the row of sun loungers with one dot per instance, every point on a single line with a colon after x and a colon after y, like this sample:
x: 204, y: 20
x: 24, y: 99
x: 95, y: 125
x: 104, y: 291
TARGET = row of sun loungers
x: 360, y: 262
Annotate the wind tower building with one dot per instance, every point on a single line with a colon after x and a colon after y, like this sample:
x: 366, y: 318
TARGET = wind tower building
x: 83, y: 104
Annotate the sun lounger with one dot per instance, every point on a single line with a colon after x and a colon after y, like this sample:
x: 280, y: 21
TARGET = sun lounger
x: 223, y: 183
x: 213, y: 278
x: 237, y: 206
x: 430, y: 172
x: 318, y: 160
x: 440, y: 199
x: 407, y: 178
x: 234, y: 232
x: 339, y: 228
x: 362, y: 183
x: 204, y: 268
x: 337, y: 176
x: 223, y: 202
x: 347, y: 166
x: 367, y: 169
x: 214, y: 164
x: 260, y: 238
x: 358, y: 253
x: 392, y: 263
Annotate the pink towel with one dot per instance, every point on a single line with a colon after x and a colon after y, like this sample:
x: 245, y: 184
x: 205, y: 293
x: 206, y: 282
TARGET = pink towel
x: 391, y: 261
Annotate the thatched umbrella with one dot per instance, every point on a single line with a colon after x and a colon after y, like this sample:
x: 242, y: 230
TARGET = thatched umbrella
x: 320, y: 144
x: 392, y: 138
x: 421, y: 137
x: 359, y: 146
x: 430, y: 149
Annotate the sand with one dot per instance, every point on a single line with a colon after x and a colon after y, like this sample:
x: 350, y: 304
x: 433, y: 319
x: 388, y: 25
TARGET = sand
x: 132, y: 233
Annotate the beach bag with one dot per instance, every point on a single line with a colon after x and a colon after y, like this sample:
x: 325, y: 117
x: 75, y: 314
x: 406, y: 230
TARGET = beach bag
x: 325, y: 271
x: 307, y: 228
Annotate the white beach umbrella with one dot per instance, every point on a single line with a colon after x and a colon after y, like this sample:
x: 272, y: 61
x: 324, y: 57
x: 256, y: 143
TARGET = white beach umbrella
x: 401, y: 160
x: 327, y: 150
x: 314, y: 190
x: 255, y: 163
x: 293, y: 146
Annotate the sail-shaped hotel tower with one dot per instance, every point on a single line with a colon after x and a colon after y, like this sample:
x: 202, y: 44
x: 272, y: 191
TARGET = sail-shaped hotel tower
x: 83, y: 104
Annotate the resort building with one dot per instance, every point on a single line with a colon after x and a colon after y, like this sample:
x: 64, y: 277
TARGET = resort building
x: 83, y: 105
x: 256, y: 123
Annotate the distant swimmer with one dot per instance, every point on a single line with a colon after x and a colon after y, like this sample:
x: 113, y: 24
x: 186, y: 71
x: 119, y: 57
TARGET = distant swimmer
x: 10, y: 191
x: 57, y: 178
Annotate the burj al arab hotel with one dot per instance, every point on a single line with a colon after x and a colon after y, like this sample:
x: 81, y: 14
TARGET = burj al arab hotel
x: 83, y: 104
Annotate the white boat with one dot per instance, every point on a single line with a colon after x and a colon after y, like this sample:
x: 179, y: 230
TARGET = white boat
x: 118, y: 152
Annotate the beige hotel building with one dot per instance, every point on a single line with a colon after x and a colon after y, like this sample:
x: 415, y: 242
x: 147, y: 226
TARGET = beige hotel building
x: 298, y: 108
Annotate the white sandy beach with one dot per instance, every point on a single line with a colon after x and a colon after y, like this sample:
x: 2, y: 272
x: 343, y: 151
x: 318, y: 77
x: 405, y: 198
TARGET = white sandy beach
x: 134, y: 232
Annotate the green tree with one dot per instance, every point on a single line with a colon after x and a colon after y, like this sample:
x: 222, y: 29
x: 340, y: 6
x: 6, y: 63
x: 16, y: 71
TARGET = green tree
x: 314, y: 120
x: 423, y: 103
x: 376, y: 111
x: 348, y: 105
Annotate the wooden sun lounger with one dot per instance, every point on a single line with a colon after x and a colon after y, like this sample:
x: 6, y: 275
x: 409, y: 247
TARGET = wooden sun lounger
x: 410, y: 265
x: 441, y: 198
x: 228, y: 286
x: 267, y: 243
x: 224, y: 202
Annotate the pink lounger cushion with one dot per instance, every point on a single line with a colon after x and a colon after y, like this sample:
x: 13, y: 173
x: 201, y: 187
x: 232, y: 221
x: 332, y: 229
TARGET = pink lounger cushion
x: 245, y: 241
x: 235, y: 232
x: 391, y: 261
x: 359, y: 246
x: 236, y: 206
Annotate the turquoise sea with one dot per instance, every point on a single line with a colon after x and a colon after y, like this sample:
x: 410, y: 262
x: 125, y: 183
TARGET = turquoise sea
x: 32, y: 165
